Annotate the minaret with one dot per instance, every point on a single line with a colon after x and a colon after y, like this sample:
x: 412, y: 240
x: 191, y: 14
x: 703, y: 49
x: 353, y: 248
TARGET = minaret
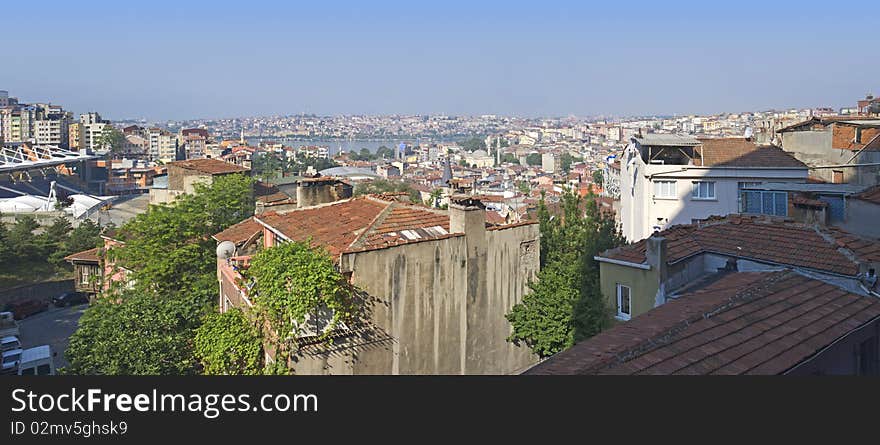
x: 242, y: 135
x: 498, y: 151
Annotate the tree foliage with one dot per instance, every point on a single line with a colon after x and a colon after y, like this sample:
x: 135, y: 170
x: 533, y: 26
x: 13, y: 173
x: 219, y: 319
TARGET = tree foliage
x: 533, y: 159
x: 566, y: 304
x: 172, y: 260
x: 139, y: 335
x: 111, y: 139
x: 598, y: 177
x: 294, y: 281
x: 229, y: 343
x: 474, y: 143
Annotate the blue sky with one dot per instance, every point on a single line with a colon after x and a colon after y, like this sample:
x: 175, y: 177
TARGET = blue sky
x: 197, y: 59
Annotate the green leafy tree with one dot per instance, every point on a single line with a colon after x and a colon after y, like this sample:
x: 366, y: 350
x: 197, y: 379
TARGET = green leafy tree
x: 172, y: 260
x: 533, y: 159
x: 51, y: 241
x: 523, y: 187
x: 22, y: 241
x: 112, y: 139
x: 297, y: 289
x: 229, y: 343
x: 566, y: 305
x: 4, y: 241
x: 598, y: 177
x: 474, y: 143
x: 266, y: 166
x: 86, y: 235
x: 509, y: 158
x: 138, y: 335
x: 384, y: 152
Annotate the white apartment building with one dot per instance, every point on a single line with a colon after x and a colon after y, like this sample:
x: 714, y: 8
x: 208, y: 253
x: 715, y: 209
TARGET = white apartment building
x: 671, y: 179
x: 52, y: 131
x: 162, y: 145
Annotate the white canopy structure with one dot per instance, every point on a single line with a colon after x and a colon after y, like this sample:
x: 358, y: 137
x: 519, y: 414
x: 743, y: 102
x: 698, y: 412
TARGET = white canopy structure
x: 22, y: 156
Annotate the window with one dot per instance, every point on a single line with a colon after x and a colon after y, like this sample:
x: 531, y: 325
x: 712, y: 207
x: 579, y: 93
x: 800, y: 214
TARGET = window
x: 28, y: 371
x: 43, y: 370
x: 764, y: 202
x: 665, y: 189
x: 84, y: 275
x: 704, y: 190
x: 624, y: 300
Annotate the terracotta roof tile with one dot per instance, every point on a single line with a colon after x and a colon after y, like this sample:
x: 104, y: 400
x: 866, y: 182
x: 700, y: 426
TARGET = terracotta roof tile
x: 241, y: 232
x: 744, y: 323
x: 757, y: 238
x: 362, y: 223
x: 86, y: 256
x: 739, y: 152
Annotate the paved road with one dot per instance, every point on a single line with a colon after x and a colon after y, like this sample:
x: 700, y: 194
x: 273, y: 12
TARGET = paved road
x: 53, y: 327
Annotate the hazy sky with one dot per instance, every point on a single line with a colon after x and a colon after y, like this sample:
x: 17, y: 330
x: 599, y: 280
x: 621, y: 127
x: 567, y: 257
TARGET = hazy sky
x: 187, y: 59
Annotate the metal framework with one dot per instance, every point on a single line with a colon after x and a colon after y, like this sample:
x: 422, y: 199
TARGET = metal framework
x: 24, y: 157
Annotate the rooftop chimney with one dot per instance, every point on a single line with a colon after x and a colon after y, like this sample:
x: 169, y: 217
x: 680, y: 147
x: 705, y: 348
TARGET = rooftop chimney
x: 322, y: 190
x: 655, y: 253
x: 466, y: 215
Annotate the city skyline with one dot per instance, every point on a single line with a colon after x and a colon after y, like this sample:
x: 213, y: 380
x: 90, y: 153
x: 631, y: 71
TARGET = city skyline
x: 223, y: 59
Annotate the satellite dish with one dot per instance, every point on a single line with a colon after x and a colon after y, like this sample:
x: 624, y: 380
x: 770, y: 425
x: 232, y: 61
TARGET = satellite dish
x: 225, y: 250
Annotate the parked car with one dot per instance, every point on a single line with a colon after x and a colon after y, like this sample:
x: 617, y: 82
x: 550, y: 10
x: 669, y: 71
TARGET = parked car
x: 37, y: 361
x: 9, y: 343
x: 70, y: 298
x: 10, y: 361
x: 24, y: 308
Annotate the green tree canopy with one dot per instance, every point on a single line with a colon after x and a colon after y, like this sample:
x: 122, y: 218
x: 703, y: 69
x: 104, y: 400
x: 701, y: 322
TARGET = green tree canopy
x: 138, y: 335
x: 598, y: 177
x: 533, y: 159
x: 229, y: 343
x: 566, y: 304
x: 172, y: 260
x: 474, y: 143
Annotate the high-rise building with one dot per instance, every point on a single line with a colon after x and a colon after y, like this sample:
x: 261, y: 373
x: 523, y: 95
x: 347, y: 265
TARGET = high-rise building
x: 53, y: 129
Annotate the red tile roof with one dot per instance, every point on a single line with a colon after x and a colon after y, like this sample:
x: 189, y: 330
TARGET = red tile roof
x: 760, y: 239
x: 241, y: 232
x: 739, y: 152
x: 209, y: 165
x: 743, y: 323
x: 362, y: 223
x: 86, y: 256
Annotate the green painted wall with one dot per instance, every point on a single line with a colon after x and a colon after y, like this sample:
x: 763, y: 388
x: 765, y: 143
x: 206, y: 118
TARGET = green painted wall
x: 643, y: 284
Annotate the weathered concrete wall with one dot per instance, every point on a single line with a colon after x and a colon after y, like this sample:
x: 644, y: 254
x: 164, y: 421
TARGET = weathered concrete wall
x: 862, y: 218
x: 814, y: 148
x: 439, y: 308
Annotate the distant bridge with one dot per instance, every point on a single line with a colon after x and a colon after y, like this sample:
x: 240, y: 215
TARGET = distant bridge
x: 24, y: 157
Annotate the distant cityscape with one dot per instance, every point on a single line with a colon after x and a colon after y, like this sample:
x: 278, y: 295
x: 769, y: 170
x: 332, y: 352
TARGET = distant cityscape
x: 652, y: 220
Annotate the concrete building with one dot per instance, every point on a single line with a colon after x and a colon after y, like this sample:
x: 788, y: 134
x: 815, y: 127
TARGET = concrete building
x: 162, y: 145
x: 549, y: 162
x: 438, y: 285
x: 53, y: 130
x: 184, y: 175
x: 670, y: 179
x: 75, y: 137
x: 640, y: 276
x: 194, y: 141
x: 755, y: 323
x: 837, y: 149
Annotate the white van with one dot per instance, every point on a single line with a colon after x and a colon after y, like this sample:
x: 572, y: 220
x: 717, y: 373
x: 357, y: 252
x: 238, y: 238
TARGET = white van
x: 9, y: 343
x: 37, y: 361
